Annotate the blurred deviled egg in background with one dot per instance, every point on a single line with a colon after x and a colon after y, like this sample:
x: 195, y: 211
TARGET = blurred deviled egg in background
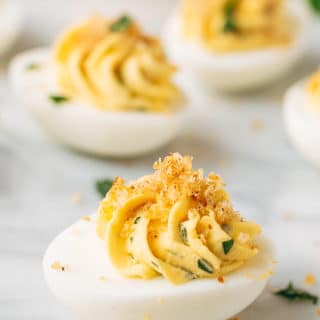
x: 237, y: 45
x: 302, y: 117
x: 105, y: 88
x: 10, y: 23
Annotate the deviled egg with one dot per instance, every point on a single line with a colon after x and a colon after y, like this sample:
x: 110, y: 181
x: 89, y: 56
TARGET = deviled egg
x: 167, y: 246
x: 237, y: 44
x: 105, y: 88
x: 302, y: 117
x: 10, y: 23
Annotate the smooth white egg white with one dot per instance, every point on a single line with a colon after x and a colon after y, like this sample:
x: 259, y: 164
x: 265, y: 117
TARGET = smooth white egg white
x: 11, y: 17
x: 84, y: 127
x: 302, y: 123
x: 240, y: 70
x: 92, y: 289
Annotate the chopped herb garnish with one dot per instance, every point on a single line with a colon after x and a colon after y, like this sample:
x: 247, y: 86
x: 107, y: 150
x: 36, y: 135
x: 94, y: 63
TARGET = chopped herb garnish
x: 294, y: 294
x: 227, y: 246
x: 205, y: 266
x: 103, y: 186
x: 121, y: 24
x: 32, y: 66
x: 57, y: 99
x: 137, y: 220
x: 315, y: 5
x: 229, y: 24
x: 183, y: 233
x: 131, y: 239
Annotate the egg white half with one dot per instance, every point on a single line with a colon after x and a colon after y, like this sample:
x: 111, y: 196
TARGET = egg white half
x: 239, y: 70
x: 302, y: 123
x: 112, y: 297
x: 10, y: 23
x: 84, y: 127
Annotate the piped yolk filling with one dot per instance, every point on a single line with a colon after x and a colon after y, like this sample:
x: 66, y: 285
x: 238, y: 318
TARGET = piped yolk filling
x: 236, y: 25
x: 175, y: 223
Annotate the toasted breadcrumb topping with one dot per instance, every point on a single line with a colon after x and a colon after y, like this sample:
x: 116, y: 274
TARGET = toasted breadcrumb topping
x: 173, y: 178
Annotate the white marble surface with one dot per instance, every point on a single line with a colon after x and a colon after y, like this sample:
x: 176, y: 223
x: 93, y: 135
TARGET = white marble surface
x: 265, y: 176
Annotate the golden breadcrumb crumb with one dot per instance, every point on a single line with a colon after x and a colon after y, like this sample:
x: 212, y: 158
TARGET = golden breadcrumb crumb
x: 161, y: 300
x: 318, y: 312
x: 287, y: 216
x: 266, y: 275
x: 102, y: 279
x: 310, y: 279
x: 86, y: 218
x: 77, y: 198
x: 221, y: 279
x: 58, y: 266
x: 146, y: 317
x: 257, y: 125
x: 173, y: 178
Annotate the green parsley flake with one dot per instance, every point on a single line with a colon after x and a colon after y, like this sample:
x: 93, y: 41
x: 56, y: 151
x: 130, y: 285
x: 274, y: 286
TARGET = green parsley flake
x: 227, y: 246
x: 229, y: 24
x: 205, y: 266
x: 315, y: 5
x: 183, y: 233
x: 103, y: 186
x: 137, y: 220
x: 294, y: 294
x: 32, y: 67
x: 58, y: 99
x: 122, y: 24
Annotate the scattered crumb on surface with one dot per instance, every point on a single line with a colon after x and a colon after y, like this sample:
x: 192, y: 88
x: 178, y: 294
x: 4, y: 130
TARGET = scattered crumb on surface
x: 161, y: 300
x: 86, y: 218
x: 287, y: 216
x: 318, y: 312
x: 58, y: 266
x: 102, y: 279
x: 273, y: 260
x: 223, y: 162
x: 221, y: 279
x: 257, y: 125
x: 77, y: 198
x: 266, y: 275
x: 146, y: 317
x: 235, y: 318
x: 310, y: 279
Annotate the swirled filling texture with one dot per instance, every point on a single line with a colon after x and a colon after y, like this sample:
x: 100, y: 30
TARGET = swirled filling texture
x: 114, y: 66
x: 236, y: 25
x: 175, y: 223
